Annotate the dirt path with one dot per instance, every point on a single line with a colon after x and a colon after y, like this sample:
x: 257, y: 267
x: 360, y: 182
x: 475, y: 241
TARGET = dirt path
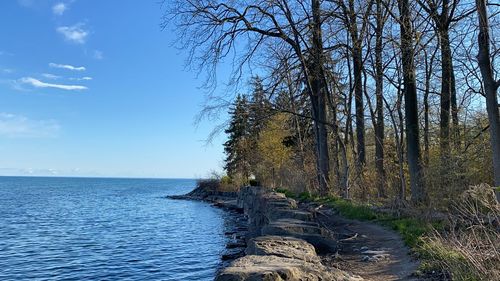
x: 366, y: 249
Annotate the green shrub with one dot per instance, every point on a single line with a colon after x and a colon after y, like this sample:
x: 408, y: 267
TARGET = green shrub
x: 287, y: 192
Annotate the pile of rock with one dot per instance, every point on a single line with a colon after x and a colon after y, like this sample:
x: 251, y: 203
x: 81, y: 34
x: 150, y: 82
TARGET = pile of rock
x: 283, y: 241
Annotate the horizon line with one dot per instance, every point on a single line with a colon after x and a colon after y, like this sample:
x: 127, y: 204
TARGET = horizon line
x: 99, y: 177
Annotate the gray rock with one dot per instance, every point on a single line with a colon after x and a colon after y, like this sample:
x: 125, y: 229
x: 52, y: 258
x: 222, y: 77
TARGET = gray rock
x: 291, y: 226
x: 282, y: 246
x: 273, y: 268
x: 280, y: 213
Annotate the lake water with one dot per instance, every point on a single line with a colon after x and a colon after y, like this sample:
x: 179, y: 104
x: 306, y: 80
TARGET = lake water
x: 106, y: 229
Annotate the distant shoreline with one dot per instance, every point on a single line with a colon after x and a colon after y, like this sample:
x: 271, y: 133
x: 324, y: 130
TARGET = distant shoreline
x: 98, y: 177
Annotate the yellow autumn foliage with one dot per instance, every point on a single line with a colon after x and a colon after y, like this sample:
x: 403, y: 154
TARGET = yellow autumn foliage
x: 271, y: 148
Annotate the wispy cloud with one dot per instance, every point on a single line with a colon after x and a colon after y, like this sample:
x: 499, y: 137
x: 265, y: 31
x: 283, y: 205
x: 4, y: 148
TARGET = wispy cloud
x: 59, y: 9
x: 75, y: 33
x: 39, y: 84
x: 18, y: 126
x: 67, y: 66
x: 86, y: 78
x: 50, y: 76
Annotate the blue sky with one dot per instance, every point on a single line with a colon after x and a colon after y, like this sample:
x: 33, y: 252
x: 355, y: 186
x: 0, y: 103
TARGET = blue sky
x: 94, y: 88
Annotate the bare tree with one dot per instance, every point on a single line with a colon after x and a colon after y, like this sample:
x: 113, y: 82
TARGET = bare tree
x: 411, y: 104
x: 490, y: 86
x: 357, y: 31
x: 214, y: 29
x: 442, y: 13
x: 381, y: 17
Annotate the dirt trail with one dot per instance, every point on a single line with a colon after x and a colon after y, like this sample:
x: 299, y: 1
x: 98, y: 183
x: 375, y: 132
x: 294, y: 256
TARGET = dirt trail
x: 366, y: 249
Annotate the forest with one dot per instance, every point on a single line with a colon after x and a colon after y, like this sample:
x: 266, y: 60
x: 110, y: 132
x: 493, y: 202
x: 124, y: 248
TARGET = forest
x: 389, y: 99
x: 385, y: 102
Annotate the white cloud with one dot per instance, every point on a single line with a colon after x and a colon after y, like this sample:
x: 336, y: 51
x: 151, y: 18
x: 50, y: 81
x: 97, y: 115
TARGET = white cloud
x: 98, y: 55
x: 18, y: 126
x: 39, y: 84
x: 67, y: 66
x: 86, y: 78
x: 75, y: 33
x: 50, y: 76
x: 59, y: 9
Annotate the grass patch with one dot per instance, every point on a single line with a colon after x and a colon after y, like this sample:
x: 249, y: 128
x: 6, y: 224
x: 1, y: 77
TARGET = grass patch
x: 350, y: 209
x: 412, y: 230
x: 436, y: 255
x: 287, y: 192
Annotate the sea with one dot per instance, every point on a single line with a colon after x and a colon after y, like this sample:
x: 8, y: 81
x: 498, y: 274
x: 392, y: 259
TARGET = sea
x: 107, y: 229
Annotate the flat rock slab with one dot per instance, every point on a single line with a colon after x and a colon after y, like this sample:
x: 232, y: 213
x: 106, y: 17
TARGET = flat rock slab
x: 282, y: 246
x: 283, y: 203
x: 291, y: 226
x: 287, y: 213
x: 273, y: 268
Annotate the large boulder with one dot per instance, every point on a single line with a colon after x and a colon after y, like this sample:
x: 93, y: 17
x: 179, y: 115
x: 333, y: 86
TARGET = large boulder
x: 282, y: 246
x: 273, y: 268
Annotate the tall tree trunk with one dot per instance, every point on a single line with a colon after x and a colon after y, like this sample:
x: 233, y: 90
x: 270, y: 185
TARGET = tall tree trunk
x: 454, y: 110
x: 428, y: 72
x: 357, y: 62
x: 333, y: 106
x: 401, y: 144
x: 358, y: 103
x: 411, y: 107
x: 490, y: 87
x: 429, y: 67
x: 446, y: 69
x: 379, y: 86
x: 318, y: 87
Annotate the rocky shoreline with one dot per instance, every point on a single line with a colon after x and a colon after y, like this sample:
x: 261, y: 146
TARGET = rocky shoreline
x: 283, y: 242
x: 277, y: 241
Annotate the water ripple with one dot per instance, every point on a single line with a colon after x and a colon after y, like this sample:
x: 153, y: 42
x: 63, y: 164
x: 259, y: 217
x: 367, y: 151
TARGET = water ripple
x: 106, y: 229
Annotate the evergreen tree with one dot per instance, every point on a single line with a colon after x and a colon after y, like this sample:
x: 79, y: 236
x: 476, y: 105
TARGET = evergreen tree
x: 237, y: 146
x: 259, y: 113
x: 260, y: 108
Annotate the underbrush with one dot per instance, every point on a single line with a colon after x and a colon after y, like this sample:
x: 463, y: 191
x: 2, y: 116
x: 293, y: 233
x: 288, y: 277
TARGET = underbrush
x: 465, y: 246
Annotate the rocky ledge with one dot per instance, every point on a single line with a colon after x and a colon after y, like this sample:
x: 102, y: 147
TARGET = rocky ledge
x: 282, y: 242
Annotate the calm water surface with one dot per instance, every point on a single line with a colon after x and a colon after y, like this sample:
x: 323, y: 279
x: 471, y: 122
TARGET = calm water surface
x: 106, y: 229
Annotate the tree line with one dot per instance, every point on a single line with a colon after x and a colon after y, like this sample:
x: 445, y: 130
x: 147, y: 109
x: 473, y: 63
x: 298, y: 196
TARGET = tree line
x: 367, y: 98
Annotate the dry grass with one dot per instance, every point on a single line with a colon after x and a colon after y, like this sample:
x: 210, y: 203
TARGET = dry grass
x: 469, y: 248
